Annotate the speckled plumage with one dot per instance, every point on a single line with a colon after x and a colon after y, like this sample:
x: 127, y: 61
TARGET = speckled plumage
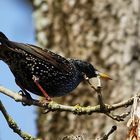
x: 57, y: 75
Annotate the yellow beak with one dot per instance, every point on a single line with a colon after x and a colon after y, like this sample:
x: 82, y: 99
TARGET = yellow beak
x: 104, y: 76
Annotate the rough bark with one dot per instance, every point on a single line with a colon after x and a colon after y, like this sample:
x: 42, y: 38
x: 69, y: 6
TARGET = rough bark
x: 103, y: 32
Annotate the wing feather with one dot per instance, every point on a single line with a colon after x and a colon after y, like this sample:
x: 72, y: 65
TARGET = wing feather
x: 56, y: 60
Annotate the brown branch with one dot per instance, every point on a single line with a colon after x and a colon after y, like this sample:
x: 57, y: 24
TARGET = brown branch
x: 105, y: 137
x: 79, y: 110
x: 100, y: 99
x: 13, y: 125
x: 53, y: 106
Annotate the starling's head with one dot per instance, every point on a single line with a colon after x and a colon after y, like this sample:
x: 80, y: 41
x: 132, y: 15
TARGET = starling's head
x: 87, y: 69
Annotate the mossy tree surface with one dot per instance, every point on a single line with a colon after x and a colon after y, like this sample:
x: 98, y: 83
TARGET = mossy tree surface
x: 103, y: 32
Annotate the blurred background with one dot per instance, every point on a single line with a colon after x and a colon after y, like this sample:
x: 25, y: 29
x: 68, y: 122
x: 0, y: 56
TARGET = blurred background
x: 104, y: 33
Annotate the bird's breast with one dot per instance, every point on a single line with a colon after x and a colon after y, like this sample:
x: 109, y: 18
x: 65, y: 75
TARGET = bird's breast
x: 53, y: 80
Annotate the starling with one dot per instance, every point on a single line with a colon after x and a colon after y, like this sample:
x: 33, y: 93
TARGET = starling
x: 43, y: 72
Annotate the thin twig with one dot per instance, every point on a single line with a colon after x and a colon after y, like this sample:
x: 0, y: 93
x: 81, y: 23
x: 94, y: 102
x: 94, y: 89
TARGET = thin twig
x: 105, y: 137
x: 13, y: 125
x: 53, y: 106
x: 100, y: 99
x: 98, y: 91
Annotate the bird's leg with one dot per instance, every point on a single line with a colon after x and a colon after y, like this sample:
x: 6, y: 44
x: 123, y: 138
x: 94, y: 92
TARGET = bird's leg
x: 24, y: 93
x: 36, y: 79
x: 27, y: 95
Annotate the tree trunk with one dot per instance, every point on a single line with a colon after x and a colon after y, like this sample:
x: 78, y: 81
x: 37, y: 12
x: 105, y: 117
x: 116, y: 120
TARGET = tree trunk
x: 103, y: 32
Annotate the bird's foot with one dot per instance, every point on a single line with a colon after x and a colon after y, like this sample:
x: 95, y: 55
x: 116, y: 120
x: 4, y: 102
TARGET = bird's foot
x: 45, y: 101
x: 27, y: 95
x: 48, y: 98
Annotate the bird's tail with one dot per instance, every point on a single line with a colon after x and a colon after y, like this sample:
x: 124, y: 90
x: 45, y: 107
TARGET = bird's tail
x: 3, y: 36
x: 3, y: 40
